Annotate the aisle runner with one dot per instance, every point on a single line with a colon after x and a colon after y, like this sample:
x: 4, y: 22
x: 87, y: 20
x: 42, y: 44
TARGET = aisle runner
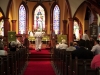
x: 44, y: 51
x: 39, y: 68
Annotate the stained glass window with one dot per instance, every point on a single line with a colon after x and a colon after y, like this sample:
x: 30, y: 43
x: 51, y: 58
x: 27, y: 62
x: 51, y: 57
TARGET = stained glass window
x: 76, y: 30
x: 2, y: 27
x: 39, y: 18
x: 56, y: 19
x: 22, y: 19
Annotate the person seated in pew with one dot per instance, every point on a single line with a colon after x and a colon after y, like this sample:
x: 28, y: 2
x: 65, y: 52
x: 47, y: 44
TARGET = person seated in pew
x: 57, y: 45
x: 13, y: 46
x: 75, y: 44
x: 82, y: 52
x: 26, y: 42
x: 96, y: 48
x: 71, y: 47
x: 6, y: 47
x: 18, y: 42
x: 2, y: 51
x: 95, y: 63
x: 63, y: 45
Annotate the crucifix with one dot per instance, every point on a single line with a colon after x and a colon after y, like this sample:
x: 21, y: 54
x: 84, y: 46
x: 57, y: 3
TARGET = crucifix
x: 11, y: 36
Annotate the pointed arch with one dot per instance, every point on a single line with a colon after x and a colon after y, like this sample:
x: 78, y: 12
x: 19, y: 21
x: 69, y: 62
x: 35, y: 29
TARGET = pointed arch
x: 2, y: 13
x: 39, y: 17
x: 88, y: 5
x: 8, y: 8
x: 22, y: 18
x: 55, y: 18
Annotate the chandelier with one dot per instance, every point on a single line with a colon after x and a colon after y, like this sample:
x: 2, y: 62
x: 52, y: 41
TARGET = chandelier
x: 40, y: 0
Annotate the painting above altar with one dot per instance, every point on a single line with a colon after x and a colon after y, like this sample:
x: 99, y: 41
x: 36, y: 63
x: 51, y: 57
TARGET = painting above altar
x: 39, y: 18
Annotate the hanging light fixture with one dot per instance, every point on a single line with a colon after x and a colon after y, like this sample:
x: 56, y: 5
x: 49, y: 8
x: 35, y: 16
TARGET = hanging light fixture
x: 40, y: 0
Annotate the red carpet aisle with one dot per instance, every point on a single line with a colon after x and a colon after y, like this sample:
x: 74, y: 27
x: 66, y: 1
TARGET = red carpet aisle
x: 39, y: 63
x: 43, y: 51
x: 39, y: 68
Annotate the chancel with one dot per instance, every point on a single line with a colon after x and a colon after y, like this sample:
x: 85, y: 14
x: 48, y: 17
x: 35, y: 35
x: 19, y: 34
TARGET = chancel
x: 39, y: 28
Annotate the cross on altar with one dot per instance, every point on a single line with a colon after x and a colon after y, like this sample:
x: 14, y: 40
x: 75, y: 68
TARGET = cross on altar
x: 11, y: 36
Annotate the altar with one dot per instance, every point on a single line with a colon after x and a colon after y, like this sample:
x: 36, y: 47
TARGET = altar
x: 45, y: 40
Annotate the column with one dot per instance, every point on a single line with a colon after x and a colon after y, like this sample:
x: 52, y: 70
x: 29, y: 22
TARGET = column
x: 6, y: 26
x: 70, y: 31
x: 64, y: 26
x: 13, y: 25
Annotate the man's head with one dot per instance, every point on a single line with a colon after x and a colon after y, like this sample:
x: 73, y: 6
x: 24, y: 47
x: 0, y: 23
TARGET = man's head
x: 71, y: 43
x: 86, y: 31
x: 82, y: 43
x: 96, y: 42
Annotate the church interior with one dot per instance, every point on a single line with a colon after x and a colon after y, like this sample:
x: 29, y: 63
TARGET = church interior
x: 24, y: 24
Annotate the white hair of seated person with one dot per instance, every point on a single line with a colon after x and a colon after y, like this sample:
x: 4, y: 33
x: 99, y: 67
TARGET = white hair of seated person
x: 13, y: 43
x: 63, y: 41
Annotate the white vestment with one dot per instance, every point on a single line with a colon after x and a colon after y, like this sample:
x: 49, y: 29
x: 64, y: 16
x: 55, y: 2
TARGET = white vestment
x: 85, y: 37
x: 38, y: 40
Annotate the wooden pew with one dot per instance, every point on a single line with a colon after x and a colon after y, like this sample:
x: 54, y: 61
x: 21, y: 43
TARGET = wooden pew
x: 6, y: 68
x: 88, y: 69
x: 56, y: 58
x: 98, y: 71
x: 65, y: 65
x: 81, y: 67
x: 18, y: 60
x: 62, y: 61
x: 11, y: 63
x: 67, y: 62
x: 1, y: 66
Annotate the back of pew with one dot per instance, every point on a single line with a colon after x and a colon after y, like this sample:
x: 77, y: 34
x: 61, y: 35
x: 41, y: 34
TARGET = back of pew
x: 65, y: 65
x: 88, y: 69
x: 98, y: 71
x: 1, y: 66
x: 81, y: 67
x: 6, y: 68
x: 11, y: 63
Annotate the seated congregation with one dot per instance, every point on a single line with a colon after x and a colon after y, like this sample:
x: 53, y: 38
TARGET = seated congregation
x: 13, y: 58
x: 77, y: 59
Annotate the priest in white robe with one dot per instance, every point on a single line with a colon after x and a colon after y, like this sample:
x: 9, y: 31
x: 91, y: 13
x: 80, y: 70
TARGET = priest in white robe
x: 38, y: 40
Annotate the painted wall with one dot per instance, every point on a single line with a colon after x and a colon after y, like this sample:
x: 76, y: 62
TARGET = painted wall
x: 3, y: 5
x: 74, y: 4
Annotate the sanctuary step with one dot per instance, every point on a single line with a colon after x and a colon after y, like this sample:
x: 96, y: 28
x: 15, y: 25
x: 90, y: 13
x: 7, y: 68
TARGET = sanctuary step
x: 44, y: 46
x: 42, y: 55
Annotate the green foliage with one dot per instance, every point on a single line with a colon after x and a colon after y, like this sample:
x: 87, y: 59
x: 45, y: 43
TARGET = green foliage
x: 61, y: 37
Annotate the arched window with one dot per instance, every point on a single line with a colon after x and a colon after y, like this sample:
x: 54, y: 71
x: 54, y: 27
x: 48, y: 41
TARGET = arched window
x: 39, y: 18
x: 2, y: 27
x: 56, y: 19
x: 22, y: 19
x: 76, y: 30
